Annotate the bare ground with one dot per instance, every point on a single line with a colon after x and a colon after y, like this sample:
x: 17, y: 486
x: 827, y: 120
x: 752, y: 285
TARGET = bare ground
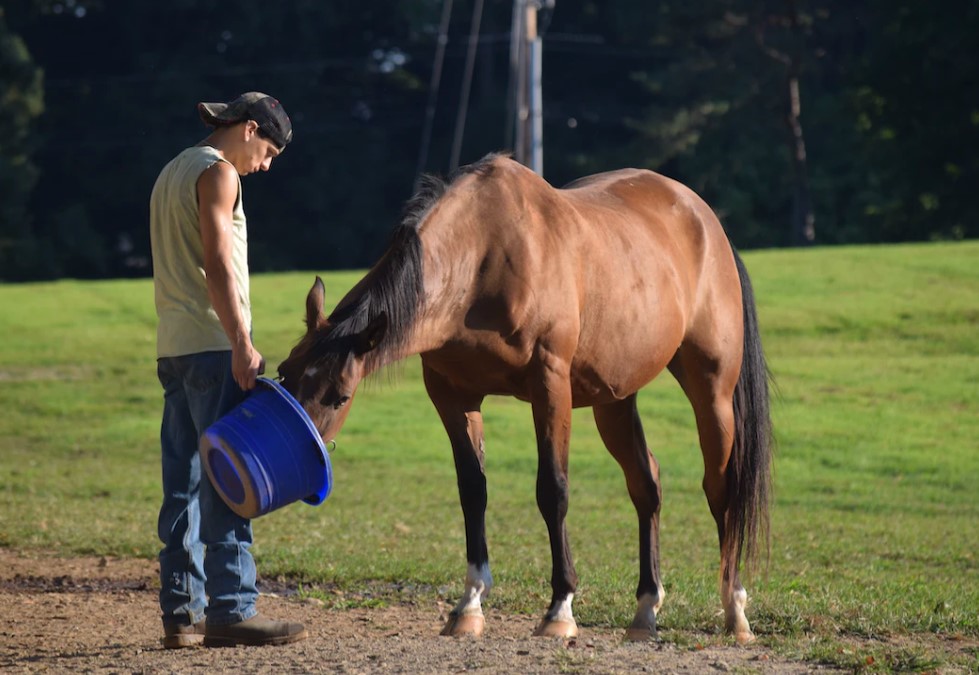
x: 100, y: 615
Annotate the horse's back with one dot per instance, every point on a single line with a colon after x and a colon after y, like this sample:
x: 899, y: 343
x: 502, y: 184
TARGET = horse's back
x: 620, y: 226
x: 655, y: 216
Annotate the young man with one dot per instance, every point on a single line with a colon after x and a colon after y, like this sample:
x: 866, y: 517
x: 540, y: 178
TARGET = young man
x: 206, y: 363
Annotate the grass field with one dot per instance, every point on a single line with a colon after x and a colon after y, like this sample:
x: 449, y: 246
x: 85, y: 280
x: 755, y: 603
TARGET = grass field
x: 875, y: 521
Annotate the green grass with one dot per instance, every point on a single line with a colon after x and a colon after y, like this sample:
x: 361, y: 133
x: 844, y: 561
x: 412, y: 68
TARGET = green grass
x: 875, y: 521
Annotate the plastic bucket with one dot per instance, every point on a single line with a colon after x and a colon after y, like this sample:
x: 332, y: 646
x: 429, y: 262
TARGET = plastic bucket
x: 266, y: 453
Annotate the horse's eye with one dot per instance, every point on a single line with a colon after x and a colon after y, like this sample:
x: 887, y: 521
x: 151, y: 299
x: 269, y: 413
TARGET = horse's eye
x: 336, y: 404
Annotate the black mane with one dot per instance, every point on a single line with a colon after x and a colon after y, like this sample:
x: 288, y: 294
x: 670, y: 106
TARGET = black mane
x: 393, y: 286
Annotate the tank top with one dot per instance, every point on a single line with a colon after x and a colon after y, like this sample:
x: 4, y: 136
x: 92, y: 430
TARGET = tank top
x: 188, y: 323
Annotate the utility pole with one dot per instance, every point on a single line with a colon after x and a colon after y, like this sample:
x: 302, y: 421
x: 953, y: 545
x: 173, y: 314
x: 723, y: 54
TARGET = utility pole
x: 526, y: 68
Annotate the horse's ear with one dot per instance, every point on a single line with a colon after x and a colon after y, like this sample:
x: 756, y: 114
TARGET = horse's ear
x: 314, y: 304
x: 370, y: 337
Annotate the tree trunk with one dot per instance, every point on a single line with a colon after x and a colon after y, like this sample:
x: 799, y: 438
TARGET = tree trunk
x: 803, y: 223
x: 803, y: 218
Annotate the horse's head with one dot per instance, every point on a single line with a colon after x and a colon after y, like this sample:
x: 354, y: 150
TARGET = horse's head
x: 323, y: 370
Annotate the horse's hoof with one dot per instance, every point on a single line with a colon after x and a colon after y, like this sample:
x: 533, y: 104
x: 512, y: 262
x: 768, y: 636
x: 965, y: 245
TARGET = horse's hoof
x: 561, y: 629
x: 741, y: 631
x: 636, y: 634
x: 462, y: 625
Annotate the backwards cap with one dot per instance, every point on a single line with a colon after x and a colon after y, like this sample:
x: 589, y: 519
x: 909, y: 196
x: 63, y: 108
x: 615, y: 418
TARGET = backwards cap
x: 267, y: 112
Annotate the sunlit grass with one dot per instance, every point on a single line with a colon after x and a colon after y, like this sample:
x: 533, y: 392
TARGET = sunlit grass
x: 874, y: 523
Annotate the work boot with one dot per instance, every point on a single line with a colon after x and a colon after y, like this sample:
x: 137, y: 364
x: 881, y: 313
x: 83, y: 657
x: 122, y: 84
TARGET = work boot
x: 178, y: 636
x: 255, y: 631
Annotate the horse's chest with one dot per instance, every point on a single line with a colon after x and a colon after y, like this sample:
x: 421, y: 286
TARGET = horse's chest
x: 480, y: 367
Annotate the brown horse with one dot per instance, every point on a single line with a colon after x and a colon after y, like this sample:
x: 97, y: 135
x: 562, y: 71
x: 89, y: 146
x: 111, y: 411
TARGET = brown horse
x: 563, y: 298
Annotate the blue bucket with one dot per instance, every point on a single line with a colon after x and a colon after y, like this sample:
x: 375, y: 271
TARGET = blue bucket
x: 266, y: 453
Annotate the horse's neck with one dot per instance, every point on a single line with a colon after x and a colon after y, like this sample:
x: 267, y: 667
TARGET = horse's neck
x: 453, y: 244
x: 450, y: 268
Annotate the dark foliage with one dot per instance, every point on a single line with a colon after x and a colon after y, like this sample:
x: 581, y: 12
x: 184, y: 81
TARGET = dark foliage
x: 702, y: 92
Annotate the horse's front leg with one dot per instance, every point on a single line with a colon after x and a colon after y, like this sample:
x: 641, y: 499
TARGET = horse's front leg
x: 460, y: 413
x: 551, y: 401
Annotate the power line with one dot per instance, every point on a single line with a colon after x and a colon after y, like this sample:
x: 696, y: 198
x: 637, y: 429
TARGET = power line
x: 466, y: 84
x: 433, y: 91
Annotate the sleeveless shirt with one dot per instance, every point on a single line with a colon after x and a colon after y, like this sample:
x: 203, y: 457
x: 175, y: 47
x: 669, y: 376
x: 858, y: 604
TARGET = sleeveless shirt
x: 188, y: 323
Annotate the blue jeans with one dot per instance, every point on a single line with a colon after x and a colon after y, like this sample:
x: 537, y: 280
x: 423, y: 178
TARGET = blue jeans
x: 206, y: 568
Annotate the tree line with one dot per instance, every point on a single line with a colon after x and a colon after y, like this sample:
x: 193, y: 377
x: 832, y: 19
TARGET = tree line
x: 800, y: 121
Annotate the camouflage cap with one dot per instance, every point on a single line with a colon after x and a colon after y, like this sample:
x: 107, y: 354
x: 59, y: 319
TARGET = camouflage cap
x: 267, y: 112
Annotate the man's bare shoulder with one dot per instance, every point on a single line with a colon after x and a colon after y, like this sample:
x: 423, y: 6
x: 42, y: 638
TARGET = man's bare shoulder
x: 217, y: 181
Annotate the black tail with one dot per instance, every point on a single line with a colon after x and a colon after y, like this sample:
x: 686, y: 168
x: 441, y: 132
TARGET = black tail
x: 750, y: 468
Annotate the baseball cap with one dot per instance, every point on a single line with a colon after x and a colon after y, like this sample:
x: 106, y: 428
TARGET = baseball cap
x: 267, y: 112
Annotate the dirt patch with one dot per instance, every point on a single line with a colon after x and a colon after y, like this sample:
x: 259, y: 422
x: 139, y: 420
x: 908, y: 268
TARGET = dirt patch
x: 100, y: 615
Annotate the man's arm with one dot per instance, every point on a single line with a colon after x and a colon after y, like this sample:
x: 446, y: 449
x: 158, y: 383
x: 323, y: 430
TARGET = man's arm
x: 217, y: 191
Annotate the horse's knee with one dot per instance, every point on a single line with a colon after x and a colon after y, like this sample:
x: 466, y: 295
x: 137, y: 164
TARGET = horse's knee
x: 552, y: 494
x: 715, y: 489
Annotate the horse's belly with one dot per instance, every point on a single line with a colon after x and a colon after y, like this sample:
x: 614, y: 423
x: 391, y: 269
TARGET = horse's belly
x: 617, y: 373
x: 626, y: 339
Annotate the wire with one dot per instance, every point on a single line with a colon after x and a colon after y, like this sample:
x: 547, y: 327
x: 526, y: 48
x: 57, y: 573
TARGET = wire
x: 433, y: 92
x: 466, y: 85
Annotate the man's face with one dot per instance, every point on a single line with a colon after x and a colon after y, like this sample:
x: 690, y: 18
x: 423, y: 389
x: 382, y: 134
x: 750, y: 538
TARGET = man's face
x: 261, y: 153
x: 257, y: 151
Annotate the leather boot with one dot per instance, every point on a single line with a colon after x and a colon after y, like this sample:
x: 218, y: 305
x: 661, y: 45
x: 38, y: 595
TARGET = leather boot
x: 255, y: 631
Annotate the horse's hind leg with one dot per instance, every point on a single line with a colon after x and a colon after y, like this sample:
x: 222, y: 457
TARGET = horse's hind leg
x: 621, y: 431
x: 460, y: 413
x: 709, y: 384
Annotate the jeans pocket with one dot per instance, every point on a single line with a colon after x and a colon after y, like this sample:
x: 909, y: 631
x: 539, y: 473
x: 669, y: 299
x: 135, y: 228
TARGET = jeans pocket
x: 207, y: 370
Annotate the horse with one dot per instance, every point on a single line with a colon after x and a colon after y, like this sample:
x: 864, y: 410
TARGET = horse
x: 562, y: 297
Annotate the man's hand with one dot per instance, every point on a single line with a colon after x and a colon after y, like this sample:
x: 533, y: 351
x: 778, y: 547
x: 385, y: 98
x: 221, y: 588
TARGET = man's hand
x: 246, y: 365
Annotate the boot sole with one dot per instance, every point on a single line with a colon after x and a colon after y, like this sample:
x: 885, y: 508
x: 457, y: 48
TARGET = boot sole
x: 217, y: 641
x: 182, y: 641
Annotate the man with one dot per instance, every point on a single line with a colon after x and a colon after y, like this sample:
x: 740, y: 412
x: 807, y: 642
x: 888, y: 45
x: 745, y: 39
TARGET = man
x: 206, y: 363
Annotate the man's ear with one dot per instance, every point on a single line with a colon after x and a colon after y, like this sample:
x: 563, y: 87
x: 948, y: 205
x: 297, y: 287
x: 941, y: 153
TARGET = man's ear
x: 314, y: 304
x: 369, y: 338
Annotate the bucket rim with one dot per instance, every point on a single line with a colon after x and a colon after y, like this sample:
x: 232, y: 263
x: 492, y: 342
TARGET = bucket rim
x: 327, y: 487
x: 290, y: 399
